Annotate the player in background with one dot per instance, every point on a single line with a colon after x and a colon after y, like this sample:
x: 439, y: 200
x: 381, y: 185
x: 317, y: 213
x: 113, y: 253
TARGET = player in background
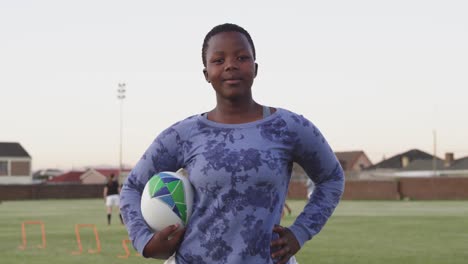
x: 111, y: 197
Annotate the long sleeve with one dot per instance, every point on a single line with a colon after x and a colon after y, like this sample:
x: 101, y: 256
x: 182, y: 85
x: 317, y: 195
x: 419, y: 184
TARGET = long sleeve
x: 314, y: 154
x: 162, y: 155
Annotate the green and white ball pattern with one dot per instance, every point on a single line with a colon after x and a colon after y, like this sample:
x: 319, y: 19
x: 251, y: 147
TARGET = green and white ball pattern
x: 167, y: 199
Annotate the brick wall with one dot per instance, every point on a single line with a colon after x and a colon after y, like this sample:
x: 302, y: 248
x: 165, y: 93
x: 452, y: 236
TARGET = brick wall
x: 414, y: 188
x: 371, y: 190
x: 354, y: 190
x: 72, y: 191
x: 434, y: 188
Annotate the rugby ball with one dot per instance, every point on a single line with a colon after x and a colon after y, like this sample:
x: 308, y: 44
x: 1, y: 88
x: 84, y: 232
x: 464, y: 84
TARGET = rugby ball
x: 167, y: 199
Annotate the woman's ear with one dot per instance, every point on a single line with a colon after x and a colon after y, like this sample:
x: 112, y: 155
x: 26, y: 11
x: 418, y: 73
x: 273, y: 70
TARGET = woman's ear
x: 256, y: 69
x: 205, y: 72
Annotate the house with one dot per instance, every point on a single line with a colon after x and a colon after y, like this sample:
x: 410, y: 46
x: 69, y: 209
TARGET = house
x: 417, y: 163
x: 71, y: 177
x: 353, y: 162
x: 402, y: 160
x: 97, y: 176
x: 88, y: 176
x: 15, y: 164
x: 459, y: 164
x: 108, y: 171
x: 449, y: 166
x: 45, y: 174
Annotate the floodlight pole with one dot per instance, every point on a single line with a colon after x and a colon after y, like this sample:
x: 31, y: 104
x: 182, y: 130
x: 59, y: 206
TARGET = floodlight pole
x: 121, y: 97
x: 434, y: 157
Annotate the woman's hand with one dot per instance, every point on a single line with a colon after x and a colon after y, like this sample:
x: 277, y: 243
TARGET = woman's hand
x: 285, y: 246
x: 163, y: 244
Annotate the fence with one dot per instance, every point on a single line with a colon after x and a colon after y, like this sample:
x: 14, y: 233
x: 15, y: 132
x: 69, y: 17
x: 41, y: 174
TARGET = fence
x: 436, y: 188
x: 440, y: 188
x: 45, y: 191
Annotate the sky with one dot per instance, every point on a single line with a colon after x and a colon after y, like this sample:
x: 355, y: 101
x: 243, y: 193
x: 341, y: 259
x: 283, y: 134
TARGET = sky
x: 377, y: 76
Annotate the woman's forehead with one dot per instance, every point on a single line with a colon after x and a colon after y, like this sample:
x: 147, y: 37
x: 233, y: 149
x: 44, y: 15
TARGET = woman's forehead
x: 228, y: 41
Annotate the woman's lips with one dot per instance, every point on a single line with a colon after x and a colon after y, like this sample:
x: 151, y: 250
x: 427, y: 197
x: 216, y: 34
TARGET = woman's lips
x: 232, y: 81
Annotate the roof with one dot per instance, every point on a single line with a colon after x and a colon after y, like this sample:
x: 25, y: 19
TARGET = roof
x: 348, y: 158
x: 68, y: 177
x: 425, y: 165
x: 75, y: 176
x: 12, y: 149
x: 108, y: 172
x: 460, y: 164
x: 395, y: 162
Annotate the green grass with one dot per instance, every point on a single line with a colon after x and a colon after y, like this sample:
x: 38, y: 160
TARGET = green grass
x: 359, y: 232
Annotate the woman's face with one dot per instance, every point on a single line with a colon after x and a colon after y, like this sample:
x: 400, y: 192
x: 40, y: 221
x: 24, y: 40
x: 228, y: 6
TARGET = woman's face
x: 230, y: 66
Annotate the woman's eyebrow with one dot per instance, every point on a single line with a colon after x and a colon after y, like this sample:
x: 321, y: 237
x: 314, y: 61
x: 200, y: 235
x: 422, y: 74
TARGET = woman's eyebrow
x: 218, y: 52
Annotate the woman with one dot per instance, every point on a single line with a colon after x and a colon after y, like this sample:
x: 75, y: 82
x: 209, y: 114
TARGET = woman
x: 239, y: 159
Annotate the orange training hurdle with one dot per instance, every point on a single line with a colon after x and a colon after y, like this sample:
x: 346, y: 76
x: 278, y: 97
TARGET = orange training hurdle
x: 78, y: 239
x: 125, y: 247
x: 23, y: 233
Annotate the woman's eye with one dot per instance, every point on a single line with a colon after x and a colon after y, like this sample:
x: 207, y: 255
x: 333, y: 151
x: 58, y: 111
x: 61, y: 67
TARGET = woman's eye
x: 243, y: 58
x: 218, y: 61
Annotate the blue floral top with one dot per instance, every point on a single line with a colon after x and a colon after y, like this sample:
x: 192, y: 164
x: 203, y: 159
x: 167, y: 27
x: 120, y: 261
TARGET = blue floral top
x: 240, y: 174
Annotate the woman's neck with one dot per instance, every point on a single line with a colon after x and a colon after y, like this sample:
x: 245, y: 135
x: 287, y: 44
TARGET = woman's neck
x: 236, y: 112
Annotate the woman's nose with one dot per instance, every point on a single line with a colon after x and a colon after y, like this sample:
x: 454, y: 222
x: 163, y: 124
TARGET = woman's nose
x: 231, y: 64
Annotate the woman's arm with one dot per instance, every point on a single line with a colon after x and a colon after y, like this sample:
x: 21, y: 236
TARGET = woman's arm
x: 318, y: 160
x: 162, y: 155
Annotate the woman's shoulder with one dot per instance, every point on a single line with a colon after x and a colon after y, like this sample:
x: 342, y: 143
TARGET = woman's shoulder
x: 189, y: 121
x: 294, y: 118
x: 182, y: 127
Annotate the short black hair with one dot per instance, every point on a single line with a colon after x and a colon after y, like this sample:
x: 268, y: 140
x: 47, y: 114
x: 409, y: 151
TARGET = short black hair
x: 227, y: 27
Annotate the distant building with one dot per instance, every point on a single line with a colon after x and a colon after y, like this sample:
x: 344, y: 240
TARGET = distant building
x: 403, y: 160
x: 352, y: 162
x: 88, y: 176
x: 456, y: 164
x: 15, y: 164
x: 70, y: 177
x: 45, y: 174
x: 417, y: 163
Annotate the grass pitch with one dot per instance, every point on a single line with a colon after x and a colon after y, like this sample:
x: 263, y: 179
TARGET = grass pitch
x: 396, y: 232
